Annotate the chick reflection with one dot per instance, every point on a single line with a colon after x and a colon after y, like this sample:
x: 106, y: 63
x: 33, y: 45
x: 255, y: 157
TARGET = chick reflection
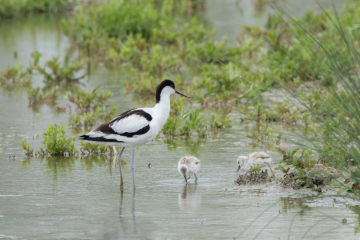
x: 188, y: 198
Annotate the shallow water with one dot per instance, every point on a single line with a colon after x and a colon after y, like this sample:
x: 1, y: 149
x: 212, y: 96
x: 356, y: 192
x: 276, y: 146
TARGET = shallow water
x: 79, y: 197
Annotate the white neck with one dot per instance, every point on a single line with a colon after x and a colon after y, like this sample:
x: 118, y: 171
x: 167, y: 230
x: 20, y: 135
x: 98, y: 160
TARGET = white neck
x: 162, y: 109
x: 164, y: 104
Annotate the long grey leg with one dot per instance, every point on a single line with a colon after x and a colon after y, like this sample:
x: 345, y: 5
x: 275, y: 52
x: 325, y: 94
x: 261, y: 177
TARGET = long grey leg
x: 119, y: 164
x: 185, y: 179
x: 132, y: 166
x: 195, y: 177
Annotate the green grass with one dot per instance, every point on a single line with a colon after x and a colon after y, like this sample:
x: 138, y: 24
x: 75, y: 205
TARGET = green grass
x: 86, y: 100
x: 15, y: 77
x: 56, y: 143
x: 27, y: 148
x: 92, y: 149
x: 16, y: 8
x: 334, y: 105
x: 89, y: 119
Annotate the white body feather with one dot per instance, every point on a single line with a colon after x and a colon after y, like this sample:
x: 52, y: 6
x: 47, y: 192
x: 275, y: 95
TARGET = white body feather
x: 190, y: 163
x: 253, y: 159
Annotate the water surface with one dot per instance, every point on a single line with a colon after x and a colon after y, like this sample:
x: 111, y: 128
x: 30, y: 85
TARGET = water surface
x: 79, y: 197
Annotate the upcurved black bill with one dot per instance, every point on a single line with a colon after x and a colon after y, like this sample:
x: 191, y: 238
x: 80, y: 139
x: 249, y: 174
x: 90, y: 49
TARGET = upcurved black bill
x: 182, y: 94
x: 238, y: 169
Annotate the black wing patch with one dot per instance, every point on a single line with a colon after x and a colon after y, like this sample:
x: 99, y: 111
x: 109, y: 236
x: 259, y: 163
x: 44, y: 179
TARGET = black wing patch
x: 97, y: 139
x: 131, y: 112
x: 105, y: 128
x: 139, y: 132
x: 125, y: 134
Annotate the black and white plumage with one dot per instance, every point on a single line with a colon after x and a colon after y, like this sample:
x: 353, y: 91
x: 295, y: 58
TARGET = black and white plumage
x: 129, y: 129
x: 136, y: 126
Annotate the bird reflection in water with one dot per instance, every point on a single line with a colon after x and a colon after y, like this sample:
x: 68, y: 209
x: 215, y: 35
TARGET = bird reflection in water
x: 133, y: 211
x: 189, y: 198
x: 121, y: 215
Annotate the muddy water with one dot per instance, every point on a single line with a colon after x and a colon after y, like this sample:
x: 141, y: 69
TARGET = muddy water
x: 79, y: 198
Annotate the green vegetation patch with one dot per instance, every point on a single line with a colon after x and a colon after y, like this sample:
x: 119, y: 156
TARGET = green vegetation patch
x: 56, y: 144
x: 16, y: 8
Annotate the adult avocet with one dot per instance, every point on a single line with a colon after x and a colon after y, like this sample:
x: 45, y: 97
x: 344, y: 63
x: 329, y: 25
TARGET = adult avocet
x: 136, y: 126
x: 188, y: 165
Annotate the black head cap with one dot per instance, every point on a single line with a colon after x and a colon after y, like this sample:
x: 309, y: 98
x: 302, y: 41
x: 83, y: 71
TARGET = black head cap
x: 165, y: 83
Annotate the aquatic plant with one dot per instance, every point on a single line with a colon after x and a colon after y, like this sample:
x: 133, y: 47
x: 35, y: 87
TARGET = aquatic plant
x: 16, y: 8
x: 37, y: 96
x: 54, y: 72
x: 295, y: 64
x: 255, y: 168
x: 265, y: 56
x: 15, y: 77
x: 144, y: 85
x: 209, y: 52
x: 282, y: 112
x: 185, y: 123
x: 86, y: 100
x: 59, y: 109
x: 306, y: 119
x: 56, y: 143
x: 302, y: 160
x: 227, y: 84
x: 265, y: 135
x: 173, y: 123
x: 283, y: 169
x: 171, y: 45
x: 195, y: 122
x: 154, y: 21
x: 93, y: 148
x: 110, y: 114
x: 75, y: 121
x: 316, y: 178
x: 88, y: 119
x: 62, y: 76
x: 27, y: 148
x: 220, y: 121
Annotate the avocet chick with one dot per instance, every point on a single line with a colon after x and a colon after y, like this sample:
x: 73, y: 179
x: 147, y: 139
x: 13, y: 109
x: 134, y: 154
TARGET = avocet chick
x: 188, y: 165
x: 253, y: 159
